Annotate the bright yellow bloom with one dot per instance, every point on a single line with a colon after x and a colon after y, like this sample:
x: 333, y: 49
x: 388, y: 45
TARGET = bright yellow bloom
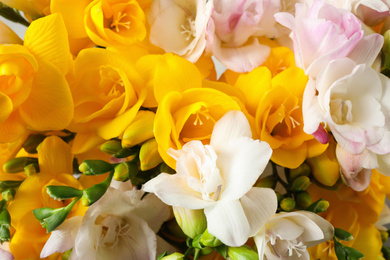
x: 105, y: 97
x: 33, y: 91
x: 355, y: 212
x: 55, y: 162
x: 276, y: 104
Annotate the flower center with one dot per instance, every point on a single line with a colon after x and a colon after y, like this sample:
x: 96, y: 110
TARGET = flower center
x: 341, y: 111
x: 113, y: 229
x: 120, y: 19
x: 280, y: 246
x: 189, y: 28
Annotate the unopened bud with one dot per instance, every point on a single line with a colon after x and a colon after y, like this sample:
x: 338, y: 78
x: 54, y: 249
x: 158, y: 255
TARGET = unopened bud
x: 319, y: 206
x: 125, y: 171
x: 95, y: 167
x: 303, y: 199
x: 192, y: 222
x: 149, y: 156
x: 384, y: 236
x: 287, y: 204
x: 342, y: 234
x: 5, y: 235
x: 279, y: 196
x: 325, y: 167
x: 242, y: 252
x: 174, y: 256
x: 94, y: 193
x: 129, y: 153
x: 31, y: 169
x: 302, y: 170
x: 111, y: 147
x: 140, y: 130
x: 209, y: 240
x: 32, y: 142
x: 8, y: 194
x: 17, y: 165
x: 267, y: 182
x: 165, y: 168
x: 300, y: 184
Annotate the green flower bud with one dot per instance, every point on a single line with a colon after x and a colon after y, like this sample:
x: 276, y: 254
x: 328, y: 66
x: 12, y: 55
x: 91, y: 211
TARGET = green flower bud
x: 5, y: 218
x: 125, y: 171
x: 174, y: 256
x: 140, y: 130
x: 4, y: 185
x: 209, y: 240
x: 5, y: 235
x: 267, y: 182
x: 287, y: 204
x: 384, y: 236
x: 94, y: 193
x: 242, y: 252
x: 302, y: 170
x: 8, y: 194
x: 17, y: 165
x: 32, y: 141
x: 341, y: 234
x: 279, y: 196
x: 192, y: 222
x: 319, y: 206
x: 129, y: 153
x: 31, y: 169
x: 303, y: 199
x: 300, y: 184
x: 149, y: 156
x: 63, y: 192
x: 95, y: 167
x: 111, y: 147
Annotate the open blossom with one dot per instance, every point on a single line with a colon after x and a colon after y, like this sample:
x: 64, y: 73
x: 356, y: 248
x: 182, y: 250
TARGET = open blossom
x: 288, y: 235
x: 352, y: 100
x: 111, y: 226
x: 219, y: 178
x: 180, y: 26
x: 234, y: 28
x: 323, y: 33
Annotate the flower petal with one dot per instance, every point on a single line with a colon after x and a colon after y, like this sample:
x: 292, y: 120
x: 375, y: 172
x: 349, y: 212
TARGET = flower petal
x: 226, y: 220
x: 367, y: 49
x: 7, y: 35
x: 6, y: 107
x: 63, y: 237
x: 259, y: 205
x: 54, y: 156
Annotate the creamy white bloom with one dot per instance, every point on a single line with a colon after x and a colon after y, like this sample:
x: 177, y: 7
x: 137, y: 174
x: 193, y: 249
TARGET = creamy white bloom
x: 288, y: 235
x: 352, y: 100
x: 179, y: 26
x: 119, y: 224
x: 219, y: 178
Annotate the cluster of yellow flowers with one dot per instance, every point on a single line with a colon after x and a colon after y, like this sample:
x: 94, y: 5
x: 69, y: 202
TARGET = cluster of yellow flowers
x: 86, y: 83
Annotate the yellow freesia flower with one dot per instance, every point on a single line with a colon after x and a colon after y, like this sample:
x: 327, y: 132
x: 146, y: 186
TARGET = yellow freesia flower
x: 274, y: 98
x: 105, y: 97
x: 33, y: 91
x: 355, y: 212
x: 55, y: 162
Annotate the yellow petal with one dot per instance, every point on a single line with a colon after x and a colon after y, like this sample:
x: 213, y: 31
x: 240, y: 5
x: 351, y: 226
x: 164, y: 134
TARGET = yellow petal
x: 49, y: 105
x: 254, y: 85
x: 72, y: 12
x: 206, y: 68
x: 54, y: 156
x: 293, y: 80
x: 8, y: 36
x: 6, y: 107
x: 368, y: 242
x: 47, y: 39
x: 84, y: 142
x: 12, y: 128
x: 290, y: 158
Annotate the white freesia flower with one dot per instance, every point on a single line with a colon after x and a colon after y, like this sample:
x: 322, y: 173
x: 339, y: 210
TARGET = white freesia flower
x: 179, y: 26
x: 120, y: 224
x: 352, y: 100
x: 288, y: 235
x: 219, y: 178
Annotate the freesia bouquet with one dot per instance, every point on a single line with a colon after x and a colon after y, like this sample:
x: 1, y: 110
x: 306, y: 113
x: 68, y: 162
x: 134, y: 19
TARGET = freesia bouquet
x: 120, y: 140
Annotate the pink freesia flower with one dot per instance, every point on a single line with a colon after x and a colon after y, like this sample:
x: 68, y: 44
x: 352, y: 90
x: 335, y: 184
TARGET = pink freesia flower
x: 321, y: 34
x: 352, y: 100
x: 233, y: 31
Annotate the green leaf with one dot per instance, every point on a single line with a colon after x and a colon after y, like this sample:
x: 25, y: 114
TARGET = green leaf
x: 223, y: 250
x: 342, y: 234
x: 162, y: 255
x: 94, y: 193
x: 339, y: 250
x: 5, y: 218
x: 12, y: 14
x: 5, y: 235
x: 386, y: 252
x: 352, y: 253
x: 63, y: 192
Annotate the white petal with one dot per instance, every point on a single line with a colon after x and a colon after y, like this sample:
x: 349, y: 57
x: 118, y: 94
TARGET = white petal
x: 259, y: 205
x: 260, y: 243
x: 384, y: 164
x: 173, y: 190
x: 232, y: 125
x: 241, y: 162
x: 62, y: 238
x: 367, y: 49
x: 5, y: 255
x: 313, y: 115
x: 227, y: 222
x: 326, y: 227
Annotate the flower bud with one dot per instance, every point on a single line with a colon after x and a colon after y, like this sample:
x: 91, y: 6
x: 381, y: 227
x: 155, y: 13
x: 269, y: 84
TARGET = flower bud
x: 31, y: 169
x: 94, y: 193
x: 140, y: 130
x: 267, y: 182
x: 300, y: 184
x: 111, y: 147
x: 63, y: 192
x: 149, y: 156
x: 174, y: 256
x: 129, y: 153
x: 287, y: 204
x: 32, y: 141
x: 17, y: 165
x: 319, y: 206
x: 325, y: 167
x: 302, y: 170
x: 5, y: 235
x: 4, y: 185
x: 279, y: 196
x: 5, y: 218
x: 341, y: 234
x: 165, y: 168
x: 384, y: 236
x: 192, y: 222
x: 209, y: 240
x: 95, y: 167
x: 8, y: 194
x: 242, y: 252
x: 303, y: 199
x: 125, y: 171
